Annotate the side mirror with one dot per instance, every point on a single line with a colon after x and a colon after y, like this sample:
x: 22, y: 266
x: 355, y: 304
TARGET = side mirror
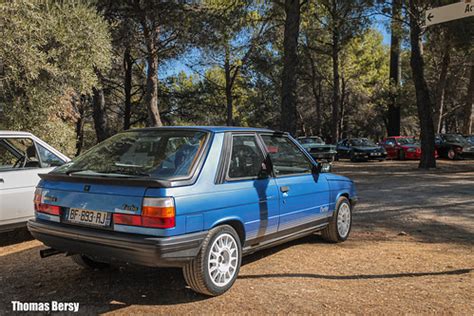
x: 264, y: 171
x: 322, y: 167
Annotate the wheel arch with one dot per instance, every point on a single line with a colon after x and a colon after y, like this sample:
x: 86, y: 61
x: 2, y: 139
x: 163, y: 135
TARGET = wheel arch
x: 346, y: 195
x: 234, y: 222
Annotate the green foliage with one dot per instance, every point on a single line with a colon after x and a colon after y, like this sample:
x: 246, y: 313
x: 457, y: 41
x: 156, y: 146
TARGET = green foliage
x: 54, y: 52
x: 50, y: 52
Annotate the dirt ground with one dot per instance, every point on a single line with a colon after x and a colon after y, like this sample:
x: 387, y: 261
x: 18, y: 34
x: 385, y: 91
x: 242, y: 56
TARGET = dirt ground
x: 411, y: 251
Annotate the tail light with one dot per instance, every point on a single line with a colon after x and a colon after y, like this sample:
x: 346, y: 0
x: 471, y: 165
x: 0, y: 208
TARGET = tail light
x: 156, y: 213
x: 42, y: 207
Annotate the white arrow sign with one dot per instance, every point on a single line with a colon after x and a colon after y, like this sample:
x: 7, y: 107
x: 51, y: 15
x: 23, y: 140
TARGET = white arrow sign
x: 449, y: 12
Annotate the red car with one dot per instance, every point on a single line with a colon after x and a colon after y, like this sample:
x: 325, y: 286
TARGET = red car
x: 403, y: 147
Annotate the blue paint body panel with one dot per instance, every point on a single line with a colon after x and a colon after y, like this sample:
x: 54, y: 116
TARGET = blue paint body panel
x: 257, y: 204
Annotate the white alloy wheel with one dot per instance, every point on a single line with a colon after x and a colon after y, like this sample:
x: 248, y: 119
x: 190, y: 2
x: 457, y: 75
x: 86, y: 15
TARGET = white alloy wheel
x: 223, y: 260
x: 344, y: 220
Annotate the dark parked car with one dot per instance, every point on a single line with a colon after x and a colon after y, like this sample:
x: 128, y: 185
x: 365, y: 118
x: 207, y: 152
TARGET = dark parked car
x: 357, y: 149
x: 454, y: 146
x: 317, y: 148
x: 470, y: 139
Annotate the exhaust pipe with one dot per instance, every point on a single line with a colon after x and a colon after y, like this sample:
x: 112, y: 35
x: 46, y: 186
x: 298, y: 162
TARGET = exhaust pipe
x: 44, y: 253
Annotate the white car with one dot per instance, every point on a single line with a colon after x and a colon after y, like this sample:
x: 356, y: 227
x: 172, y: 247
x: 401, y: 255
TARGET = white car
x: 22, y: 157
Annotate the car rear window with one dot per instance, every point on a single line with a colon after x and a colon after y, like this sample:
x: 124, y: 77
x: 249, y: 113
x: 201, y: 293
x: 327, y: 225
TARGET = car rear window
x: 161, y: 154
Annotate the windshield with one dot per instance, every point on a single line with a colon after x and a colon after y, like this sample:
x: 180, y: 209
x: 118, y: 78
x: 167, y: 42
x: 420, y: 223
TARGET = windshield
x: 363, y: 142
x: 311, y: 140
x: 453, y: 138
x: 407, y: 141
x: 163, y: 154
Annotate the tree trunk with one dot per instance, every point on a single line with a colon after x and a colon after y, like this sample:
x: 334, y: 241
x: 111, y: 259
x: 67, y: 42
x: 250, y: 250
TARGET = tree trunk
x: 423, y: 101
x: 290, y: 63
x: 441, y: 88
x: 342, y: 106
x: 316, y: 89
x: 151, y: 34
x: 99, y: 114
x: 393, y: 113
x: 80, y: 128
x: 151, y: 93
x: 336, y: 89
x: 468, y: 106
x: 127, y: 87
x: 228, y: 87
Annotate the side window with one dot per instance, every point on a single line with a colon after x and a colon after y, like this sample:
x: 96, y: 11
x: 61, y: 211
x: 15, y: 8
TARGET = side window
x: 48, y: 159
x: 286, y: 157
x: 7, y: 156
x: 246, y: 158
x: 18, y: 153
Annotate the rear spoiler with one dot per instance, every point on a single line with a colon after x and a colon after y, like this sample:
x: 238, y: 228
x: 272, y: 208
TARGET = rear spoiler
x: 138, y: 181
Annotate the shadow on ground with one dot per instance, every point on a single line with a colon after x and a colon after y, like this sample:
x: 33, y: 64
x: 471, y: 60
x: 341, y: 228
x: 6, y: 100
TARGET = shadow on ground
x: 26, y: 278
x: 14, y: 237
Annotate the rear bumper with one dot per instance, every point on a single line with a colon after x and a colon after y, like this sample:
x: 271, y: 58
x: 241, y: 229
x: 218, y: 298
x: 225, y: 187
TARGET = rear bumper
x: 367, y: 156
x: 108, y: 246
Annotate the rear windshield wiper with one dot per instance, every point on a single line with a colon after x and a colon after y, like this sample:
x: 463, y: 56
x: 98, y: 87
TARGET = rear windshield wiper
x: 130, y: 172
x: 109, y: 173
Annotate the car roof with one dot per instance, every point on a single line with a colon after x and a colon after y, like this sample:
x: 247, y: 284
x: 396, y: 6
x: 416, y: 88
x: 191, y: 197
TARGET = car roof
x: 15, y: 133
x: 212, y: 129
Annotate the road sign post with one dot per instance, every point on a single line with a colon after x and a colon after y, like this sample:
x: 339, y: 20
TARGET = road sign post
x: 449, y: 12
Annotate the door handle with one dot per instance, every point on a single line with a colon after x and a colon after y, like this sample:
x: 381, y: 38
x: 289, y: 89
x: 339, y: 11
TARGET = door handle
x: 284, y: 189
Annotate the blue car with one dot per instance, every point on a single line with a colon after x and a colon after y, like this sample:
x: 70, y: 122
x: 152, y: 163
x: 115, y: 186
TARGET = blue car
x: 193, y: 197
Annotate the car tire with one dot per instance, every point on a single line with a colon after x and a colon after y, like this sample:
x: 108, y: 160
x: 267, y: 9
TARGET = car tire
x: 89, y: 263
x: 451, y: 154
x: 336, y: 157
x: 340, y: 224
x: 216, y: 279
x: 401, y: 154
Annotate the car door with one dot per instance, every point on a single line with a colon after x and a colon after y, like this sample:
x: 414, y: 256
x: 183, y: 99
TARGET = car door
x: 304, y: 196
x: 249, y: 187
x: 342, y: 149
x: 21, y: 159
x: 390, y: 147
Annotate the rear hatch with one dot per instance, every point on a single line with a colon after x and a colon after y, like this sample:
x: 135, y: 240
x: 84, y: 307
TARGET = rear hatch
x: 90, y: 204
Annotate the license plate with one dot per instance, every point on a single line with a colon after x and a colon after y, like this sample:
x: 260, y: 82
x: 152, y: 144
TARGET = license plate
x: 87, y: 217
x: 375, y: 154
